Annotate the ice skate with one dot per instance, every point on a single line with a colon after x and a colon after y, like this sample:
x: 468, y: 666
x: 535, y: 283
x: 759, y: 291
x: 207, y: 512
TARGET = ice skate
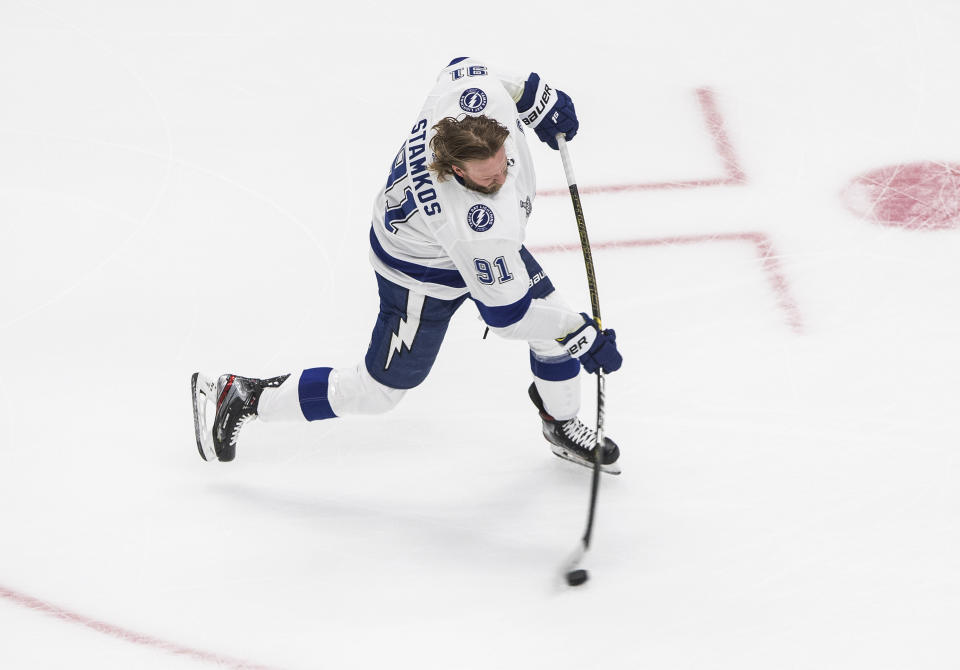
x: 575, y: 441
x: 232, y: 401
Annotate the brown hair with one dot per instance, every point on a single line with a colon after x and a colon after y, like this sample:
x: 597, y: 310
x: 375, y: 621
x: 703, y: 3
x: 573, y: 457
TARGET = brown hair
x: 469, y: 138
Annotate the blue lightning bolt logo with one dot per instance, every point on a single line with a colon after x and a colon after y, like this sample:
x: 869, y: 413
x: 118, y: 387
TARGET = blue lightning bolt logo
x: 473, y: 100
x: 480, y: 218
x: 407, y: 328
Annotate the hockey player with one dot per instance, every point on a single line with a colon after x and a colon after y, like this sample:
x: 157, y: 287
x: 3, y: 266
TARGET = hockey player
x: 448, y: 225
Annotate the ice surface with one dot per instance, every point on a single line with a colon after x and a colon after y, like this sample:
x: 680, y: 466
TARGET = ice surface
x: 188, y: 187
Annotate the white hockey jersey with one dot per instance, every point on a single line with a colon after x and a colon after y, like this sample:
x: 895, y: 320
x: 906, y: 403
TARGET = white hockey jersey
x: 443, y: 239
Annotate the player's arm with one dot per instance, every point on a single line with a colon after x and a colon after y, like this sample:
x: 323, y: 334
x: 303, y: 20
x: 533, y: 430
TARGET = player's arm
x: 500, y: 286
x: 540, y: 105
x: 548, y: 110
x: 542, y: 320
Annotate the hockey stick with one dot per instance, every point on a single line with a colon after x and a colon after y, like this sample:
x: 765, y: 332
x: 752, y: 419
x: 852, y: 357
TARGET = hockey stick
x: 576, y: 576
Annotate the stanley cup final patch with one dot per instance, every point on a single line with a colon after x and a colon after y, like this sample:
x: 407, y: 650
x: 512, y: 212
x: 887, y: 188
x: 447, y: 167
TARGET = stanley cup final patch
x: 480, y: 218
x: 527, y: 206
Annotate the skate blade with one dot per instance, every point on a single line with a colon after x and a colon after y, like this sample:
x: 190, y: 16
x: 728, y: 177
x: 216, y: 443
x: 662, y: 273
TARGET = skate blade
x: 611, y: 469
x: 204, y: 397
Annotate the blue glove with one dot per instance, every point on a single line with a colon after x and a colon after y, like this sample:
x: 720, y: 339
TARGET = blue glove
x: 594, y: 347
x: 547, y: 110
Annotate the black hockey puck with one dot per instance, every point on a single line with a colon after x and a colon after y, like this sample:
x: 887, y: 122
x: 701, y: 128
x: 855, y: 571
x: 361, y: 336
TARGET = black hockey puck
x: 577, y: 577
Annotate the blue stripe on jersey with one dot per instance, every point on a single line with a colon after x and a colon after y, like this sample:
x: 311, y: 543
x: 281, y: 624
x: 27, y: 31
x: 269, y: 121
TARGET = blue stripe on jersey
x: 457, y: 60
x: 397, y: 169
x: 502, y: 316
x: 313, y: 391
x: 530, y: 87
x: 400, y: 213
x: 421, y: 273
x: 554, y: 370
x: 540, y: 284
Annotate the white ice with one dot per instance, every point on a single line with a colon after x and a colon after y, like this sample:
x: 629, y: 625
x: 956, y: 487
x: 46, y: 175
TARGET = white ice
x: 188, y: 185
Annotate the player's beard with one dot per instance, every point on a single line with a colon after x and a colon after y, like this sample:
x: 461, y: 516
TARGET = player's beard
x: 474, y: 186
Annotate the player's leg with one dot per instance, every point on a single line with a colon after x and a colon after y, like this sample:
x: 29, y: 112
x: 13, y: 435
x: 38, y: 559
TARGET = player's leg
x: 404, y: 344
x: 407, y: 336
x: 408, y: 333
x: 556, y: 388
x: 326, y: 393
x: 555, y: 392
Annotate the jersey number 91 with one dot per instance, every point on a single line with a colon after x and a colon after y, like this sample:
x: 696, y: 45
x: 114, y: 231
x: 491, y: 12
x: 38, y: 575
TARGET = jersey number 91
x: 485, y: 272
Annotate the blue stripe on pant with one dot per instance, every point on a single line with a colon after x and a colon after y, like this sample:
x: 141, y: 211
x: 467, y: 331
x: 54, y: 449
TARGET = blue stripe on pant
x: 554, y: 369
x: 314, y: 391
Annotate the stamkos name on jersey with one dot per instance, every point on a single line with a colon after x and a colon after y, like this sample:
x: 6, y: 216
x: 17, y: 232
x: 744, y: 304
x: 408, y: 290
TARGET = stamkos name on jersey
x: 417, y: 161
x: 531, y: 118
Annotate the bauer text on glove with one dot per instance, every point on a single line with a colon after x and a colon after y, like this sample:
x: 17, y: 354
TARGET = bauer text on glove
x: 595, y: 348
x: 547, y: 110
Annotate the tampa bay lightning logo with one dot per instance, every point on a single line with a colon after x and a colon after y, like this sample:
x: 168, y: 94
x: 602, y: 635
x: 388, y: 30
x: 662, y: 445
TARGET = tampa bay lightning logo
x: 473, y: 100
x: 480, y: 218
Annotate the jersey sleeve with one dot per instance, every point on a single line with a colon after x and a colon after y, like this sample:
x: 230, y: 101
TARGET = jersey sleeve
x: 514, y: 83
x: 496, y: 277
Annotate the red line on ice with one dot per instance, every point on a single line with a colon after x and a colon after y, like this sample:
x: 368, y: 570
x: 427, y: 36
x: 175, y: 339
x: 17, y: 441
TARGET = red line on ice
x: 733, y: 173
x: 760, y: 241
x: 721, y: 142
x: 124, y: 634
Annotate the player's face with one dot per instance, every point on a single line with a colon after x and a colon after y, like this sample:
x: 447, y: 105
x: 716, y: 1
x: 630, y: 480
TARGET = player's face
x: 487, y: 175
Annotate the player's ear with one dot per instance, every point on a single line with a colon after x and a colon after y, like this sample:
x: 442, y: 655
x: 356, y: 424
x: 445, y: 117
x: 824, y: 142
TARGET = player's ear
x: 457, y: 171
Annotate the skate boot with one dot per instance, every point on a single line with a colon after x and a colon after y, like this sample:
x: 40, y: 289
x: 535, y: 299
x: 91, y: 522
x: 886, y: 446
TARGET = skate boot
x: 234, y: 402
x: 574, y: 440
